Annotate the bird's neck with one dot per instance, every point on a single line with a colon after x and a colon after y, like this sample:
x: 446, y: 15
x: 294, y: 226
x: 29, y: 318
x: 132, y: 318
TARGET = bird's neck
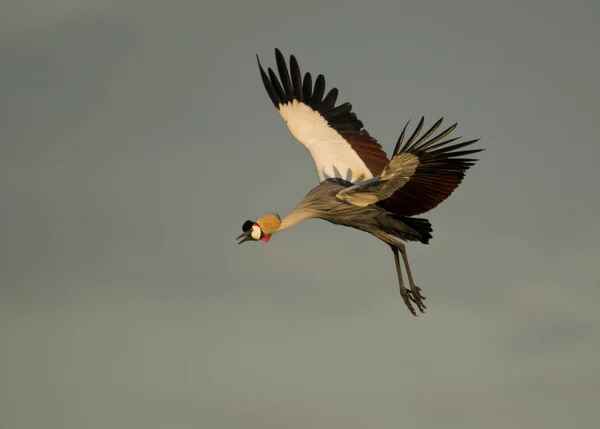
x: 296, y: 216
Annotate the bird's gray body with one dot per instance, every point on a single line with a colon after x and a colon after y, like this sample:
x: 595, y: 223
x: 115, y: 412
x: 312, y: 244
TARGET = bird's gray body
x: 321, y: 202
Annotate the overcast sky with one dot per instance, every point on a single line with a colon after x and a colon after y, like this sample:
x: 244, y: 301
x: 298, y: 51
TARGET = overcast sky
x: 137, y: 138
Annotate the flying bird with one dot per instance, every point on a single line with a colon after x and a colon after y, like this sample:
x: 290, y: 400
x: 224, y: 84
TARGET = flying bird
x: 359, y: 186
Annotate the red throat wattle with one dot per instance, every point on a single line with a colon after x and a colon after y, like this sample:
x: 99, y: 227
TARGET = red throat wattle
x: 266, y: 238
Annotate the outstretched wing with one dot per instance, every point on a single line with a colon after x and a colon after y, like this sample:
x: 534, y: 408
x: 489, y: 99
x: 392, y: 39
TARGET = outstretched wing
x: 421, y: 174
x: 333, y: 135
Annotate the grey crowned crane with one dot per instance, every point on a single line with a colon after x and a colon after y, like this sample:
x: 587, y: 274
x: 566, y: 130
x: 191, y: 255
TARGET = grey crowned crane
x: 359, y: 186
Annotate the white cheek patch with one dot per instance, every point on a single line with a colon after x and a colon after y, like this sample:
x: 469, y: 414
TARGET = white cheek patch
x: 256, y: 232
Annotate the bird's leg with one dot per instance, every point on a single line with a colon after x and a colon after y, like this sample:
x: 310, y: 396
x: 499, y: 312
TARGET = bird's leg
x: 416, y: 291
x: 407, y: 296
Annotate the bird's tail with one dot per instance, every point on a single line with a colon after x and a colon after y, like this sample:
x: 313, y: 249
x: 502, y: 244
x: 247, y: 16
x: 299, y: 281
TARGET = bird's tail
x: 419, y: 225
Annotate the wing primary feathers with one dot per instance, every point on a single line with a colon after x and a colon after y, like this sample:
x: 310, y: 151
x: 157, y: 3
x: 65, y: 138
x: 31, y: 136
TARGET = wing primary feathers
x: 268, y: 85
x: 345, y: 108
x: 277, y: 85
x: 445, y: 142
x: 441, y: 145
x: 296, y: 78
x: 439, y: 137
x: 429, y: 132
x: 400, y: 140
x: 330, y: 99
x: 446, y: 149
x: 307, y: 88
x: 284, y: 76
x: 461, y: 153
x: 317, y: 96
x: 470, y: 161
x: 409, y: 144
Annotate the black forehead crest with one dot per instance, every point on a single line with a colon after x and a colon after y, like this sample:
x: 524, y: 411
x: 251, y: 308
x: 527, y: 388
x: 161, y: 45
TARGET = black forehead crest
x: 247, y: 225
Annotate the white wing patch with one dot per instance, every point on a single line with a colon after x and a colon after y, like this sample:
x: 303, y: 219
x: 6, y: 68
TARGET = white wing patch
x: 332, y: 155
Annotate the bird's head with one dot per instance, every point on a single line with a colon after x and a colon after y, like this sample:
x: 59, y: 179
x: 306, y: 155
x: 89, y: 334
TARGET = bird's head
x: 261, y: 230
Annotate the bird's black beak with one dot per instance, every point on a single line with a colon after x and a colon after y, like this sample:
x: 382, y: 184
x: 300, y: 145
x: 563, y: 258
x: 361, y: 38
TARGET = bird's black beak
x: 245, y: 237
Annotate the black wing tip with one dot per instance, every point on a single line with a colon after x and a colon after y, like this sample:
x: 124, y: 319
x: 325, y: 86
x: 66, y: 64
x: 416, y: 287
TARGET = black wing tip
x: 285, y: 89
x: 281, y: 89
x: 420, y: 144
x: 284, y: 76
x: 278, y: 55
x: 435, y: 154
x: 290, y: 85
x: 412, y: 141
x: 399, y: 143
x: 268, y: 84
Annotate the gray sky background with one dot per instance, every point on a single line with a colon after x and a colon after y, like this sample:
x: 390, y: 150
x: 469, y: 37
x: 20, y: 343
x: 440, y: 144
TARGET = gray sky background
x: 137, y: 138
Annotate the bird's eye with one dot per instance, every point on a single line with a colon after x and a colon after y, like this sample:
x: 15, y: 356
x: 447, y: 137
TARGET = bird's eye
x: 247, y: 226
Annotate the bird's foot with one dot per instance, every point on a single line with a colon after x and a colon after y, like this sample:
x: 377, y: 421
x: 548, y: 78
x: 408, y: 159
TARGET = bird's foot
x: 416, y: 297
x: 407, y: 296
